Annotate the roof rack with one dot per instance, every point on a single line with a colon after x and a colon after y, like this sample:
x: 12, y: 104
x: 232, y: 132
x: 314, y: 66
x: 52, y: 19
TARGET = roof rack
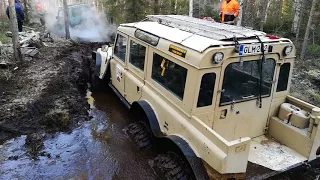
x: 213, y: 30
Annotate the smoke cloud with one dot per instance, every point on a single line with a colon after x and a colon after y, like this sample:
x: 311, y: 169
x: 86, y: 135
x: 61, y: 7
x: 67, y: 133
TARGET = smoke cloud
x: 90, y: 25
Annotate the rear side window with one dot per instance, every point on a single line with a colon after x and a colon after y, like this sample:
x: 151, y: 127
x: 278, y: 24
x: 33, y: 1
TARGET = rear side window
x: 283, y: 77
x: 206, y: 90
x: 137, y: 55
x: 169, y: 74
x: 121, y: 47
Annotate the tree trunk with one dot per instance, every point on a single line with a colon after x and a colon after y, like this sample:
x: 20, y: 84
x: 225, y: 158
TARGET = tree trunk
x: 296, y: 18
x: 299, y: 22
x: 250, y: 13
x: 175, y: 6
x: 26, y: 13
x: 15, y: 31
x: 2, y: 9
x: 66, y: 19
x: 156, y: 7
x: 306, y: 36
x: 240, y: 17
x: 191, y: 8
x: 263, y: 13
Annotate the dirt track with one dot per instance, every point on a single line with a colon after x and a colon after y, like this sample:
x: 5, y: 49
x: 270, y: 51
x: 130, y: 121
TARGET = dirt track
x: 45, y: 93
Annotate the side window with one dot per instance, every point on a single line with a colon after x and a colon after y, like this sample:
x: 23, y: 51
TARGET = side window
x: 137, y: 55
x: 206, y: 90
x: 121, y: 47
x: 170, y: 75
x: 283, y: 77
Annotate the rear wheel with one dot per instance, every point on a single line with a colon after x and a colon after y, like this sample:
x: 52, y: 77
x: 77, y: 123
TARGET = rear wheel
x: 171, y: 166
x: 140, y: 134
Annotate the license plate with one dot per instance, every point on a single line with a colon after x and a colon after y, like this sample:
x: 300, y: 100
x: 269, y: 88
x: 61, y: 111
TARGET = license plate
x: 250, y: 49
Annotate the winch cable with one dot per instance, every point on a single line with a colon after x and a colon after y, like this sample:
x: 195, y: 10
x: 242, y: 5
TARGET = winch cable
x: 260, y: 72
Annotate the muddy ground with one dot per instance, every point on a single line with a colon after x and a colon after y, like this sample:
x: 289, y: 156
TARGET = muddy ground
x: 44, y: 93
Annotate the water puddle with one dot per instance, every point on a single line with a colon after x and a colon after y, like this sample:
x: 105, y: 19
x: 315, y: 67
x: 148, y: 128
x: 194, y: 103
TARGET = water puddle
x: 98, y: 149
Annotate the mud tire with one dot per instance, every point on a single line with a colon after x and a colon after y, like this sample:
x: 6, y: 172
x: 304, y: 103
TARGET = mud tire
x: 140, y: 134
x: 171, y: 166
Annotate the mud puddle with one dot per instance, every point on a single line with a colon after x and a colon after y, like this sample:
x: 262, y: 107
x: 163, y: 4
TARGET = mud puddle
x: 97, y: 149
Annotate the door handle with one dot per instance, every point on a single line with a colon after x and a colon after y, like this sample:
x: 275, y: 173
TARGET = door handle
x: 138, y: 89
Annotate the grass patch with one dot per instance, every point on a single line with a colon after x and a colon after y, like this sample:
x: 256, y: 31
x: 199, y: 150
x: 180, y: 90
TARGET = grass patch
x: 4, y: 27
x: 316, y: 97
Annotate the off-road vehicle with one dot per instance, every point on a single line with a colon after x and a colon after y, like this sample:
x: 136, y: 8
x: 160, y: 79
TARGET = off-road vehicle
x: 219, y: 93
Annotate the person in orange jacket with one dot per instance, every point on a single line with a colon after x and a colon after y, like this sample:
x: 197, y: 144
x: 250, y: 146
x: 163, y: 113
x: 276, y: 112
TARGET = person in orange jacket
x: 229, y: 11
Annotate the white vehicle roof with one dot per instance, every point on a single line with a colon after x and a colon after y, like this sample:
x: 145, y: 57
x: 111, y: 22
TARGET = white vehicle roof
x: 198, y: 34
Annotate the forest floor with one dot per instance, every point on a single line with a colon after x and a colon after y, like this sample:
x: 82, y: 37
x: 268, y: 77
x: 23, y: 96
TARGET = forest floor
x: 306, y: 81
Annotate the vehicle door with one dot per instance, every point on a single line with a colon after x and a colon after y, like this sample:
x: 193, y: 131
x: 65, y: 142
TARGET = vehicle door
x: 238, y: 111
x: 118, y: 63
x: 135, y: 73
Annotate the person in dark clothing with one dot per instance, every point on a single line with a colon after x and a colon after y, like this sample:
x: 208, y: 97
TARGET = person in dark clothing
x: 20, y: 14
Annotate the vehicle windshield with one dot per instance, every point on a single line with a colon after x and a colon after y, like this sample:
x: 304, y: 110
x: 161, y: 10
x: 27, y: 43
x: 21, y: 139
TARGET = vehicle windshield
x: 241, y: 81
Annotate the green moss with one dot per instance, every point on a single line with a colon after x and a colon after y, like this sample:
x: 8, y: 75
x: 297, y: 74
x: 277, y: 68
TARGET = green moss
x: 4, y: 27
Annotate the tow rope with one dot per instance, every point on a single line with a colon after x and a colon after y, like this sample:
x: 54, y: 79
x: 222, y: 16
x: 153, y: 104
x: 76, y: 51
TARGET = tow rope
x: 260, y: 72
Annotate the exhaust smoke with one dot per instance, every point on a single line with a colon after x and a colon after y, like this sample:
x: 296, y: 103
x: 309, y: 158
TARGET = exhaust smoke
x: 86, y: 23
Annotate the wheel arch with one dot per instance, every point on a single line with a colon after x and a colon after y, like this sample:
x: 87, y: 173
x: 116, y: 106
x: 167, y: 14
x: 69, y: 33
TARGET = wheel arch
x: 174, y: 142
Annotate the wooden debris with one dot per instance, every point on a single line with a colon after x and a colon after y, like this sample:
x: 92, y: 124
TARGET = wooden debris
x: 29, y: 51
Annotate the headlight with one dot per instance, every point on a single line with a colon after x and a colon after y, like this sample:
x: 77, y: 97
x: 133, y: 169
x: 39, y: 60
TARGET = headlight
x: 287, y: 50
x: 217, y: 57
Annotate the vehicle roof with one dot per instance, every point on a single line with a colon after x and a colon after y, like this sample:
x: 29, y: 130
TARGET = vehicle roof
x: 197, y: 34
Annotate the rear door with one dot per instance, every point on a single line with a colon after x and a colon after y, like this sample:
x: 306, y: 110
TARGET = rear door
x: 238, y: 111
x: 135, y: 72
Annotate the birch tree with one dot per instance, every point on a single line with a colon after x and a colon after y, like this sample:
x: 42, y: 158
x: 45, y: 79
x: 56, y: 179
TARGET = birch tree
x: 26, y: 11
x: 191, y: 8
x: 296, y: 18
x: 263, y: 13
x: 66, y: 19
x: 240, y: 17
x: 14, y: 30
x: 306, y: 36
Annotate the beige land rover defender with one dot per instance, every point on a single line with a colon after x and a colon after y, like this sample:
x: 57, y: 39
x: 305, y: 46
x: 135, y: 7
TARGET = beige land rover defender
x: 218, y: 93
